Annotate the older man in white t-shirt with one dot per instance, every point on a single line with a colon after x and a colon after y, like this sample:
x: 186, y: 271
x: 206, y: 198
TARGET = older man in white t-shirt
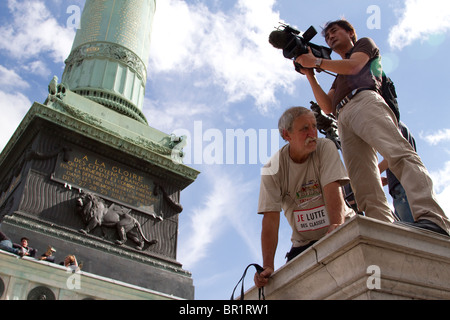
x: 303, y: 179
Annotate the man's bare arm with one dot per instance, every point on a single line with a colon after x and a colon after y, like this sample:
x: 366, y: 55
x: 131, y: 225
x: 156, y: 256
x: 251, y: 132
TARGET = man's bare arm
x: 335, y: 204
x: 269, y: 243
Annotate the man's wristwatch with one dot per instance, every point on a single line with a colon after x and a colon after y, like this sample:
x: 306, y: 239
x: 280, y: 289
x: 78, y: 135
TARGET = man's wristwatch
x: 318, y: 62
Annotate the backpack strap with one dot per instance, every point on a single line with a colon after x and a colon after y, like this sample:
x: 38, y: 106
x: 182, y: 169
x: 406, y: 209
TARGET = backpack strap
x: 390, y: 95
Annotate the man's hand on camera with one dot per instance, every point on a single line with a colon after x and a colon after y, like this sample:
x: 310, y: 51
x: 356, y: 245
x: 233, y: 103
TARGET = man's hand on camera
x: 304, y: 71
x: 307, y: 60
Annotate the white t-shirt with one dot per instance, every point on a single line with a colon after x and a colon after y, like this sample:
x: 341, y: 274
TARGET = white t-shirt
x: 297, y: 189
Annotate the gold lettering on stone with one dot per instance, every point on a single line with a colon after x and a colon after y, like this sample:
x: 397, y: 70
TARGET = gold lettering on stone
x: 115, y: 181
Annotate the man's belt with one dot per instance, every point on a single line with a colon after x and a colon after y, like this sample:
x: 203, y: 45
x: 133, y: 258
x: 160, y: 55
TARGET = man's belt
x: 349, y: 97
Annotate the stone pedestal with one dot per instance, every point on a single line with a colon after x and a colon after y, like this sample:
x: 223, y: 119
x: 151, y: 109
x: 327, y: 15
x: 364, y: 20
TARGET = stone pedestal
x: 71, y: 144
x: 366, y: 259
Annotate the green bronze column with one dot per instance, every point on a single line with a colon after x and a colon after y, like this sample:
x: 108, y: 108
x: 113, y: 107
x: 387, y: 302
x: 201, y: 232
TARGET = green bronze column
x: 108, y: 61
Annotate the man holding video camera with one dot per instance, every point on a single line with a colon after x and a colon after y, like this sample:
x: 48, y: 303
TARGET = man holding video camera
x: 367, y: 125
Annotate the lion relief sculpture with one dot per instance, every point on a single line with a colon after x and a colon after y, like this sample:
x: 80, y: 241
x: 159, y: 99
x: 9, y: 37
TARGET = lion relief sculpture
x: 95, y: 212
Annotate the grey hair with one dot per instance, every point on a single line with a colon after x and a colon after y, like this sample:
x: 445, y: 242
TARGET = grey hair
x: 287, y: 118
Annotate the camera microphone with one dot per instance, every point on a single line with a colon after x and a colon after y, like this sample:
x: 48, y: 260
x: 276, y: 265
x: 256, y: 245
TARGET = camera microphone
x: 294, y: 45
x: 280, y: 39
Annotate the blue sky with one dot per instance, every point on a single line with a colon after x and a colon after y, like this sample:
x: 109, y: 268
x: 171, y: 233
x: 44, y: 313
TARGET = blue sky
x: 213, y: 76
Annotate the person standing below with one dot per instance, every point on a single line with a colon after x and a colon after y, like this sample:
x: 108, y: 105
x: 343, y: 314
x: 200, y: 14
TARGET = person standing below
x: 303, y: 179
x: 367, y: 125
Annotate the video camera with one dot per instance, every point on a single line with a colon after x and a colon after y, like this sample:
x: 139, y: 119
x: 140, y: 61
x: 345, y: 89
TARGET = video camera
x: 294, y: 45
x: 326, y: 124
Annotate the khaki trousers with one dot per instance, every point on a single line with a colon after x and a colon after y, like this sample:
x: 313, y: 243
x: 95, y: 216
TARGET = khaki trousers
x: 367, y: 126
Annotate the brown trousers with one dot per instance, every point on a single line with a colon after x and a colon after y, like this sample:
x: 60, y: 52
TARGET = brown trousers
x: 367, y: 126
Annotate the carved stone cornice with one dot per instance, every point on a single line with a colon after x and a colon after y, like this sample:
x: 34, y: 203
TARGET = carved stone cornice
x: 138, y: 146
x: 108, y: 50
x: 76, y: 120
x: 112, y: 101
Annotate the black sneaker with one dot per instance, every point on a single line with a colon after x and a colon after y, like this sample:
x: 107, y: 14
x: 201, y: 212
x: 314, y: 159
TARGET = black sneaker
x: 428, y: 225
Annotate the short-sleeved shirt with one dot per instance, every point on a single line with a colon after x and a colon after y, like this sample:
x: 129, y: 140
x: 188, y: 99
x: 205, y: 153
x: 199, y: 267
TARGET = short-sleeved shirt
x: 369, y: 77
x: 297, y: 189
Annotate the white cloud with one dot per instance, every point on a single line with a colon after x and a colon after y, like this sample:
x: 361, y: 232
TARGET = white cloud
x: 15, y: 103
x: 223, y: 207
x: 444, y: 200
x: 419, y: 20
x: 173, y: 115
x: 17, y: 106
x: 34, y: 31
x: 9, y: 79
x: 441, y: 178
x: 435, y: 138
x: 231, y: 50
x: 441, y: 182
x: 37, y: 67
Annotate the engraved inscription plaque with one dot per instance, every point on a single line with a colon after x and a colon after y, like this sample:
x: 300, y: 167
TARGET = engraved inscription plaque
x: 113, y: 181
